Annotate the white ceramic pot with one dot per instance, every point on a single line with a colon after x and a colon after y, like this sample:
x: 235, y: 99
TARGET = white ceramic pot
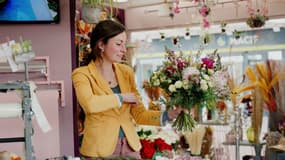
x: 90, y: 14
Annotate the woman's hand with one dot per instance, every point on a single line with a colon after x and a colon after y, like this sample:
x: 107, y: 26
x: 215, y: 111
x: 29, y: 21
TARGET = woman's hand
x: 174, y: 112
x: 129, y: 98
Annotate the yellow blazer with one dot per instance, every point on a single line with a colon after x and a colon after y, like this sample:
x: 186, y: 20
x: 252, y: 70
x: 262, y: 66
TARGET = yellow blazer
x: 104, y: 116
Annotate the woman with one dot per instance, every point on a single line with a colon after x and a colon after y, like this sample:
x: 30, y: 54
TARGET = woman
x: 107, y: 92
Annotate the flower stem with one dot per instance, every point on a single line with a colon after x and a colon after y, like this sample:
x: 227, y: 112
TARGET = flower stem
x: 184, y: 122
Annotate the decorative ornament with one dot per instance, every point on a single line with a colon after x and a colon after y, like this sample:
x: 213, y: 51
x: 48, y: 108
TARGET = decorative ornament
x: 205, y: 38
x: 176, y: 8
x: 187, y: 34
x: 171, y: 15
x: 162, y: 36
x: 223, y: 26
x: 237, y: 34
x: 175, y: 41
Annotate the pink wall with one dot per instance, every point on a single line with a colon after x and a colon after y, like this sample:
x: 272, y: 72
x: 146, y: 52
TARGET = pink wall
x: 45, y: 144
x: 51, y: 40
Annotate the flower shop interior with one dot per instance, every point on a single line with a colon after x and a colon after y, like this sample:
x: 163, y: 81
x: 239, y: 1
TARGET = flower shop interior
x: 221, y: 59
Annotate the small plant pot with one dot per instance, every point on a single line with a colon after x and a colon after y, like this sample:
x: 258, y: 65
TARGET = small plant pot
x: 90, y: 14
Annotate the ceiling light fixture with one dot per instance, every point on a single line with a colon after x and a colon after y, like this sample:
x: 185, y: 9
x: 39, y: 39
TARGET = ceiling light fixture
x: 187, y: 35
x: 276, y: 29
x: 120, y: 1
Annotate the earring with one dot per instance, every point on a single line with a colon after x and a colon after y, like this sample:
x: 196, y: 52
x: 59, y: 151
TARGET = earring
x: 102, y: 50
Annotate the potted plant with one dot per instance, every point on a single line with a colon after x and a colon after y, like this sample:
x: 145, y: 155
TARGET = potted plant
x: 256, y: 20
x: 93, y: 10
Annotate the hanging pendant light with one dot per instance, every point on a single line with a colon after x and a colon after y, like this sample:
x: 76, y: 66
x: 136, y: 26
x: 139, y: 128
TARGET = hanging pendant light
x: 120, y: 1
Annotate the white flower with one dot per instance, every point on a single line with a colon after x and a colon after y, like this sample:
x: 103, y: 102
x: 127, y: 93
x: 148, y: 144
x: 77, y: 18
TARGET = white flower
x: 30, y: 48
x: 210, y: 71
x: 25, y: 49
x: 202, y: 82
x: 161, y: 158
x: 206, y: 77
x: 162, y: 78
x: 210, y: 84
x: 178, y: 84
x: 172, y: 88
x: 203, y: 85
x: 154, y: 77
x: 156, y: 82
x: 16, y: 48
x: 186, y: 84
x: 168, y: 135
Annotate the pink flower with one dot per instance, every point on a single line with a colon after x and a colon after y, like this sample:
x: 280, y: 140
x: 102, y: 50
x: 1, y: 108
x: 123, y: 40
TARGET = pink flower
x: 209, y: 63
x: 204, y: 11
x: 189, y: 72
x: 180, y: 65
x: 206, y: 23
x: 176, y: 9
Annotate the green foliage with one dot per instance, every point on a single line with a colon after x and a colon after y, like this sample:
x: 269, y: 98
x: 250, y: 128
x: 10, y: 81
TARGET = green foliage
x: 144, y: 134
x: 256, y: 21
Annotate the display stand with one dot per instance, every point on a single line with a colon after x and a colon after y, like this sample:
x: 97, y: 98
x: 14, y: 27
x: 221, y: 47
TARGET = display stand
x: 238, y: 131
x: 238, y: 142
x: 27, y: 114
x: 257, y: 147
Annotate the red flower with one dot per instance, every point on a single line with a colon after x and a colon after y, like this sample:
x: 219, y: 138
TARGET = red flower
x: 161, y: 145
x: 169, y: 71
x: 148, y: 148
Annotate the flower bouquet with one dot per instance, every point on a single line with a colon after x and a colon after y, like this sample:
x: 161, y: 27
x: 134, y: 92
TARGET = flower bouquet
x: 156, y: 142
x: 191, y: 81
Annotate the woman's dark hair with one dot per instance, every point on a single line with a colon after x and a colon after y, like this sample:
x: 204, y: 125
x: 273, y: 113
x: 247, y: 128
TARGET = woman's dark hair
x: 103, y: 31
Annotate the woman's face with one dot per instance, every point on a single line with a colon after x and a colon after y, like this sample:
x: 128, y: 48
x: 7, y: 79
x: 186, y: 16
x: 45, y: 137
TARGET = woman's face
x: 115, y: 48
